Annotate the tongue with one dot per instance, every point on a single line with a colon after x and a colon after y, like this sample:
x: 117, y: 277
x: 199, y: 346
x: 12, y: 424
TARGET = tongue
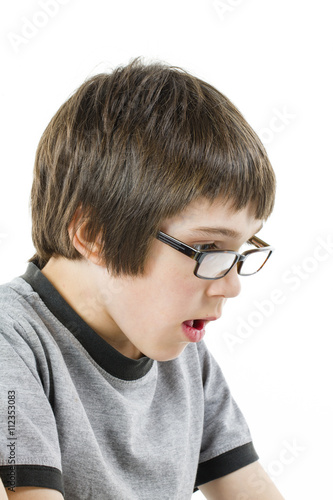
x: 198, y: 324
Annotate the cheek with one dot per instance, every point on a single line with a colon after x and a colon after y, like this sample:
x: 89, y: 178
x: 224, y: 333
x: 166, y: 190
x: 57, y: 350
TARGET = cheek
x: 174, y: 296
x: 165, y: 298
x: 167, y: 291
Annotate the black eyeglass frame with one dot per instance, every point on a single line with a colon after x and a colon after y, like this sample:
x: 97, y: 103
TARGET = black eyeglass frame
x: 198, y: 255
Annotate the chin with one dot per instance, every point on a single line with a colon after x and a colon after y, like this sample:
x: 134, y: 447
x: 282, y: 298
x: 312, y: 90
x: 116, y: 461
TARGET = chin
x: 168, y: 354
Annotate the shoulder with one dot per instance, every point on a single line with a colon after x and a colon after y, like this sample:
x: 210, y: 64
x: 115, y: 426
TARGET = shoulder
x: 16, y: 298
x: 15, y: 309
x: 209, y: 365
x: 23, y: 334
x: 196, y: 364
x: 198, y: 356
x: 19, y: 306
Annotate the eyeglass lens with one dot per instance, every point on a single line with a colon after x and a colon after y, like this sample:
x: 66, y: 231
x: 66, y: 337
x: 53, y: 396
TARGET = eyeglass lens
x: 254, y: 262
x: 216, y: 265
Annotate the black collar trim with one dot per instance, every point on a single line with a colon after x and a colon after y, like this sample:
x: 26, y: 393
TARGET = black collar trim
x: 103, y: 353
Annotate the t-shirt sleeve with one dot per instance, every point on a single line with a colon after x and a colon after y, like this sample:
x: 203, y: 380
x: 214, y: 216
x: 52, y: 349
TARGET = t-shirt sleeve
x: 226, y: 443
x: 29, y: 445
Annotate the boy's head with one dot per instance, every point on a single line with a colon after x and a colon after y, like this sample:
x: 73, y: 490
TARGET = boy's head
x: 133, y: 148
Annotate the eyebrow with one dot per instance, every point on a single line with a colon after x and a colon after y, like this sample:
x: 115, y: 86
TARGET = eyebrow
x: 222, y: 231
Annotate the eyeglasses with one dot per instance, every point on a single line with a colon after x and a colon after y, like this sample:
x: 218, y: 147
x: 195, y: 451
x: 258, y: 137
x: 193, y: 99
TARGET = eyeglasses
x: 215, y: 264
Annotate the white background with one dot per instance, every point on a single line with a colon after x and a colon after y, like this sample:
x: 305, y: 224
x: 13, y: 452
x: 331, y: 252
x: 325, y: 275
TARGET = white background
x: 272, y: 59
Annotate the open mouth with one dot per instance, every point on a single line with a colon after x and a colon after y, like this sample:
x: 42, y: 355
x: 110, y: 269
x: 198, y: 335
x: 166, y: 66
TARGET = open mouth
x: 194, y: 329
x: 197, y: 324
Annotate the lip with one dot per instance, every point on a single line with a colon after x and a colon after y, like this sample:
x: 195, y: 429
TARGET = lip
x: 193, y: 334
x: 196, y: 334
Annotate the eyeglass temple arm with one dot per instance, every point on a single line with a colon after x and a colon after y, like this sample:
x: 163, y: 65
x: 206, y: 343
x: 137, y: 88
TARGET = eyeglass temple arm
x: 258, y: 242
x: 177, y: 245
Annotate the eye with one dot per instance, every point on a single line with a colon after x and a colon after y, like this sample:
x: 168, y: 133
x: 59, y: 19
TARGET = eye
x: 204, y: 247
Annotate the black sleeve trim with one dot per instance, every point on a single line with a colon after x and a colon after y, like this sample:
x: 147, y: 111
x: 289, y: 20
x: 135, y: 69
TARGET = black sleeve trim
x: 225, y: 464
x: 32, y: 475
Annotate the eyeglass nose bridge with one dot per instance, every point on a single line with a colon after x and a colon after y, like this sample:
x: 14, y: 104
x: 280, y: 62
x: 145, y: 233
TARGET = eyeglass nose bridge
x: 240, y: 261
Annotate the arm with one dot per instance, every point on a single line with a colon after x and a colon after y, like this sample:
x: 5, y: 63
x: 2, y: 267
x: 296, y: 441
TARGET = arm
x: 3, y: 495
x: 31, y: 493
x: 248, y: 483
x: 19, y: 373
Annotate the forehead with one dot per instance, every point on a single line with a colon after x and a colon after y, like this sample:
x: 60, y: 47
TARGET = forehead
x: 220, y: 219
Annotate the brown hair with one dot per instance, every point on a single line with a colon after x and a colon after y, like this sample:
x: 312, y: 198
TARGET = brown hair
x: 134, y: 147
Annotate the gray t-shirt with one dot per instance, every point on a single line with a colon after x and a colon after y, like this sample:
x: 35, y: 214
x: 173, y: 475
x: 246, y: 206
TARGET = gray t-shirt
x: 79, y: 417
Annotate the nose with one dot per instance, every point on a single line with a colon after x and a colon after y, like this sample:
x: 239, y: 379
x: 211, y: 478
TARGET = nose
x: 229, y: 286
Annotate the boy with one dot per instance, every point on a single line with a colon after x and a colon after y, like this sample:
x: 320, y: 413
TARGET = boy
x: 147, y: 183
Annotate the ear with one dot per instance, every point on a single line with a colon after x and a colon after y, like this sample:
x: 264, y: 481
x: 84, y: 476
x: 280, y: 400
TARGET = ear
x: 77, y: 233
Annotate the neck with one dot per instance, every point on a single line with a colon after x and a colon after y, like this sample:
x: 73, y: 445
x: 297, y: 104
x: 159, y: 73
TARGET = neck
x: 86, y: 288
